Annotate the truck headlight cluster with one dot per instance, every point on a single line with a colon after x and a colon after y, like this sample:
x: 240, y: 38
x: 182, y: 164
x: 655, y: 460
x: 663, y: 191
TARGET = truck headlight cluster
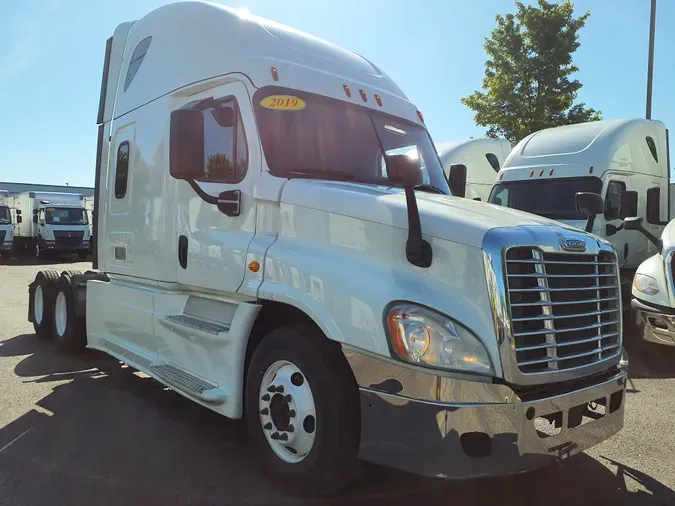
x: 645, y: 284
x: 423, y: 337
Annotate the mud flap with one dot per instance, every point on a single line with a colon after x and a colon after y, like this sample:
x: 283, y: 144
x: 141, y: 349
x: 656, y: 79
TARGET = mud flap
x: 31, y: 310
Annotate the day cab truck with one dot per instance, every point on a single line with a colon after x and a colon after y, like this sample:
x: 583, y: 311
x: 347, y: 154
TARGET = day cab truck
x: 483, y: 159
x: 622, y: 160
x: 653, y: 289
x: 6, y: 230
x: 267, y: 247
x: 51, y: 223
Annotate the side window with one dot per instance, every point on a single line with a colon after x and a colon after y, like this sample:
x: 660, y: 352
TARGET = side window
x: 493, y: 160
x: 613, y: 199
x: 652, y: 148
x: 122, y: 170
x: 225, y: 147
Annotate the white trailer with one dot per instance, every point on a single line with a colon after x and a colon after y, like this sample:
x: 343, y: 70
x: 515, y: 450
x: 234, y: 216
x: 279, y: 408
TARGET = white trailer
x: 276, y: 240
x: 613, y: 158
x: 483, y: 159
x: 47, y: 222
x: 6, y: 229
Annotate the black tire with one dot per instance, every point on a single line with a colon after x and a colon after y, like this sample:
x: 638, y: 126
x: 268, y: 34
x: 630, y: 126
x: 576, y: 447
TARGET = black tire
x: 45, y: 281
x: 332, y: 461
x: 6, y: 255
x: 71, y: 272
x: 82, y: 255
x: 71, y: 337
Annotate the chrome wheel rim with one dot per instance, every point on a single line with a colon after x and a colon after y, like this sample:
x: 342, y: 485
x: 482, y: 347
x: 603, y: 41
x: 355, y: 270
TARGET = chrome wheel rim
x: 39, y: 305
x: 61, y: 314
x: 287, y: 411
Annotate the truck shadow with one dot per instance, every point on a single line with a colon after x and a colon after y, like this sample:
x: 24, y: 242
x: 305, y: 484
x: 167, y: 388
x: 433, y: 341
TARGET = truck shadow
x: 104, y: 435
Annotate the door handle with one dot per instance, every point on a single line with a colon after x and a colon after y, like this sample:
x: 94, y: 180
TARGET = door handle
x: 182, y: 251
x: 229, y: 202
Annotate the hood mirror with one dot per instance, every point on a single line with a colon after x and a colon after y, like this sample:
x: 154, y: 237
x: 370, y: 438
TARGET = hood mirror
x: 590, y: 204
x: 406, y: 171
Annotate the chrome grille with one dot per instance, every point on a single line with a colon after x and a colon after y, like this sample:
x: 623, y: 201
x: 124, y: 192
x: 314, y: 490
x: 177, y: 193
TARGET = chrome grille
x: 73, y: 237
x: 565, y: 308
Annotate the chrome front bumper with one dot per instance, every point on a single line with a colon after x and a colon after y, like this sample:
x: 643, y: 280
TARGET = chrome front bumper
x: 657, y: 327
x: 446, y: 430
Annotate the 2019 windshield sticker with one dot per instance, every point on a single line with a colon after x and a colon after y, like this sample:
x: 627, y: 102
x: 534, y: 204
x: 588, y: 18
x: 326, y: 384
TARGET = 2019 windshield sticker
x: 283, y: 103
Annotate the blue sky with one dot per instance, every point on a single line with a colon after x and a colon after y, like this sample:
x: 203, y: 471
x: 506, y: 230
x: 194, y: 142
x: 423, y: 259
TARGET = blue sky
x: 51, y: 56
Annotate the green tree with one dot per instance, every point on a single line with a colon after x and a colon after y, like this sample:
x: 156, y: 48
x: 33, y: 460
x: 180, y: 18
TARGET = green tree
x: 527, y: 84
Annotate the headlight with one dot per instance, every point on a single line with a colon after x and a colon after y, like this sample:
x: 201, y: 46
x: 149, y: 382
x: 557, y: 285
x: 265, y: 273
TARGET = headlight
x: 645, y: 284
x: 422, y: 336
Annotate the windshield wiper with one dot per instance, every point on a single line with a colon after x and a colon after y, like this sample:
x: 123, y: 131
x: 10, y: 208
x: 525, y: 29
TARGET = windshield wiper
x: 342, y: 175
x: 429, y: 188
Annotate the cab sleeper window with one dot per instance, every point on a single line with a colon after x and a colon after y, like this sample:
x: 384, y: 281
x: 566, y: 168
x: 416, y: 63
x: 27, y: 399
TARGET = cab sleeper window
x: 493, y: 161
x: 122, y: 170
x: 225, y: 147
x: 652, y: 148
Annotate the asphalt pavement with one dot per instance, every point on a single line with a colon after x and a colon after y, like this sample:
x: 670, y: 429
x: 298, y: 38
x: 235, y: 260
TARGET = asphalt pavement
x: 88, y: 430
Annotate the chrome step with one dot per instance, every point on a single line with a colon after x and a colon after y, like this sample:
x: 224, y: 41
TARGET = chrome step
x: 188, y: 383
x: 197, y: 323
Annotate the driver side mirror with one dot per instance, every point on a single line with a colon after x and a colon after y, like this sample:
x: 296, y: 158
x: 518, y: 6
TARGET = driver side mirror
x: 186, y: 141
x: 35, y: 219
x: 19, y: 219
x: 457, y: 179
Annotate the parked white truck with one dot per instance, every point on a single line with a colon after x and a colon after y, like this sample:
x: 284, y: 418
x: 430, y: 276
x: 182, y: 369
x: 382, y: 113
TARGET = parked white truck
x: 265, y: 246
x: 50, y: 223
x: 6, y: 230
x: 619, y: 159
x: 483, y: 159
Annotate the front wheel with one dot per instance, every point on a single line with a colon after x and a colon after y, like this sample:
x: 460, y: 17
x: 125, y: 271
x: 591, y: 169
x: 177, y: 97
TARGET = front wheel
x: 303, y: 410
x: 82, y: 255
x: 6, y: 255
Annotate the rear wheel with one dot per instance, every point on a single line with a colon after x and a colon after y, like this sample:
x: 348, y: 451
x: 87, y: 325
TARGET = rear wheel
x: 82, y: 255
x: 303, y: 411
x: 42, y: 302
x: 69, y: 331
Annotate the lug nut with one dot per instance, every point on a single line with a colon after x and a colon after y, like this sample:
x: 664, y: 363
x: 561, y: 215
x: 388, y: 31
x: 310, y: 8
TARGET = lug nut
x: 275, y: 436
x: 288, y: 398
x: 271, y: 389
x: 267, y: 426
x: 264, y: 411
x: 290, y: 428
x: 283, y: 437
x: 280, y: 389
x: 291, y: 413
x: 266, y: 397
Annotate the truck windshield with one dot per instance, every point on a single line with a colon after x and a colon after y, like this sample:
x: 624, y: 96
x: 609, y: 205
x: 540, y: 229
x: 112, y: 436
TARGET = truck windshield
x: 66, y: 216
x: 550, y: 198
x: 306, y: 135
x: 4, y: 215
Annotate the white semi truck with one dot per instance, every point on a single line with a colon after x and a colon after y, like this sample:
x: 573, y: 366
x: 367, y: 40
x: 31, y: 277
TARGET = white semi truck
x: 622, y: 160
x: 483, y: 159
x: 6, y: 229
x: 267, y: 247
x: 50, y: 223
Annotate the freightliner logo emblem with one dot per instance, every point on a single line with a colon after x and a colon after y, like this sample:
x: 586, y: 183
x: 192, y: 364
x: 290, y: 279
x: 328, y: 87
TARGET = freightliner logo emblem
x: 573, y: 245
